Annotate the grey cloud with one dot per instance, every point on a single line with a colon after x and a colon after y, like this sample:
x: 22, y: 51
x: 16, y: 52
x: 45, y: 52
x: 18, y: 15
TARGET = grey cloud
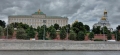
x: 86, y: 11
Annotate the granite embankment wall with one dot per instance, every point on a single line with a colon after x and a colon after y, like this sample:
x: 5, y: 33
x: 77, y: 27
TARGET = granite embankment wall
x: 43, y: 45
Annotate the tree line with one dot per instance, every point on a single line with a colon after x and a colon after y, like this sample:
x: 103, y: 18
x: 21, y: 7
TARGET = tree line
x: 77, y: 31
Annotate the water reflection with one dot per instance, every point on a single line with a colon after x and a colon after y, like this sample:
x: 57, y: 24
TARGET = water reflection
x: 59, y: 52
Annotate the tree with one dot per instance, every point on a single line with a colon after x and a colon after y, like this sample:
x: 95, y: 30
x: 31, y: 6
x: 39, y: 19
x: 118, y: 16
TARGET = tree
x: 68, y: 27
x: 30, y: 32
x: 21, y: 34
x: 53, y: 33
x: 87, y: 27
x: 77, y: 27
x: 38, y: 28
x: 91, y: 35
x: 118, y: 27
x: 81, y: 36
x: 20, y: 25
x: 72, y: 36
x: 49, y: 29
x: 2, y: 24
x: 1, y: 31
x: 41, y: 32
x: 96, y: 30
x: 10, y: 30
x: 62, y: 33
x: 56, y: 26
x: 117, y: 35
x: 105, y: 30
x: 25, y: 26
x: 109, y: 36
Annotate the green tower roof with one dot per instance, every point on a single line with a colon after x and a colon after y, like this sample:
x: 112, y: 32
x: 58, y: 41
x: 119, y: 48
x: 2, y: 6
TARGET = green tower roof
x: 39, y: 13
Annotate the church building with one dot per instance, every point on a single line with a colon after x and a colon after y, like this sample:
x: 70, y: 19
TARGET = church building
x: 103, y: 22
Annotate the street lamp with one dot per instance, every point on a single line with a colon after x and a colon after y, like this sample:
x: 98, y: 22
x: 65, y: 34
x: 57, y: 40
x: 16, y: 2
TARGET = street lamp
x: 116, y: 34
x: 7, y: 31
x: 103, y: 31
x: 67, y: 31
x: 44, y: 21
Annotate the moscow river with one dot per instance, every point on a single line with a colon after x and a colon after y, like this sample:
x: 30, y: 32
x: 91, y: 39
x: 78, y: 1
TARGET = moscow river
x: 59, y: 52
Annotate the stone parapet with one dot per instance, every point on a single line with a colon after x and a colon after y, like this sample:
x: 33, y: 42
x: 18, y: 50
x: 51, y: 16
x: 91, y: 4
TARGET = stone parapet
x: 57, y: 45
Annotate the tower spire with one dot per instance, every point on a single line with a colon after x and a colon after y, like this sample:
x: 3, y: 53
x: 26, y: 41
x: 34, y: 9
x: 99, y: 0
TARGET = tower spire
x: 39, y: 11
x: 105, y: 12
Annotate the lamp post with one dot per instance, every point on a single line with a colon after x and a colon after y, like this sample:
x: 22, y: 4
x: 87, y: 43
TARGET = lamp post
x: 67, y: 31
x: 116, y: 34
x: 103, y: 31
x: 7, y: 32
x: 44, y: 21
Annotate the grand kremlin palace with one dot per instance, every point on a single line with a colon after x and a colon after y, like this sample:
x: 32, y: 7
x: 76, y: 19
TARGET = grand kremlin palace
x: 38, y: 19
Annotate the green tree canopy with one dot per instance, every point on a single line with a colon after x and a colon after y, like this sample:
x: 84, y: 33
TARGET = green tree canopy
x: 10, y: 30
x: 68, y: 28
x: 96, y: 30
x: 109, y: 36
x: 91, y: 35
x: 2, y: 24
x: 117, y: 35
x: 38, y: 28
x: 78, y: 26
x: 81, y: 36
x: 63, y: 33
x: 72, y: 35
x: 20, y: 25
x: 1, y: 31
x: 52, y: 33
x: 21, y: 34
x: 87, y: 27
x: 105, y: 30
x: 30, y: 32
x: 41, y: 32
x: 49, y: 29
x: 118, y: 27
x: 56, y: 26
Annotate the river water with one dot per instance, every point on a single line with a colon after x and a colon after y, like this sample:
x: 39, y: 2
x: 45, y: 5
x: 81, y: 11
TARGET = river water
x: 59, y: 52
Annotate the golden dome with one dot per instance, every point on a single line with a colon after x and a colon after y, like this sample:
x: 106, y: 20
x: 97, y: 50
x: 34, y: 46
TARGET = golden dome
x: 103, y: 18
x: 76, y: 20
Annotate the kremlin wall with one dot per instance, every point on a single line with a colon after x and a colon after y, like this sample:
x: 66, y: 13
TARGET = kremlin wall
x: 96, y: 36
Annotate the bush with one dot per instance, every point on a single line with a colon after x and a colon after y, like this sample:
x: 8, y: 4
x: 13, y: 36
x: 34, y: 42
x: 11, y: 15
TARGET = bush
x: 72, y: 36
x: 91, y: 35
x: 81, y: 36
x: 62, y: 33
x: 21, y: 34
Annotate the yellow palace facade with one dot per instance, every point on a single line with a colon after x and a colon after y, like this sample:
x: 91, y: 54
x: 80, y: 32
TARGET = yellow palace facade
x: 38, y: 19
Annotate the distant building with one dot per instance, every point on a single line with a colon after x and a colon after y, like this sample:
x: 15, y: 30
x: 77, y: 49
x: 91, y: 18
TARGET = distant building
x: 38, y: 19
x: 103, y: 22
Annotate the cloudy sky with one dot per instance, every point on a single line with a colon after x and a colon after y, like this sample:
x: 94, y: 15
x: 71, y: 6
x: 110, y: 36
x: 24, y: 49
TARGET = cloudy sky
x: 86, y: 11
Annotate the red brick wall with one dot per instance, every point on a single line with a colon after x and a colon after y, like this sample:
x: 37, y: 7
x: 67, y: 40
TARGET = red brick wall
x: 102, y: 36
